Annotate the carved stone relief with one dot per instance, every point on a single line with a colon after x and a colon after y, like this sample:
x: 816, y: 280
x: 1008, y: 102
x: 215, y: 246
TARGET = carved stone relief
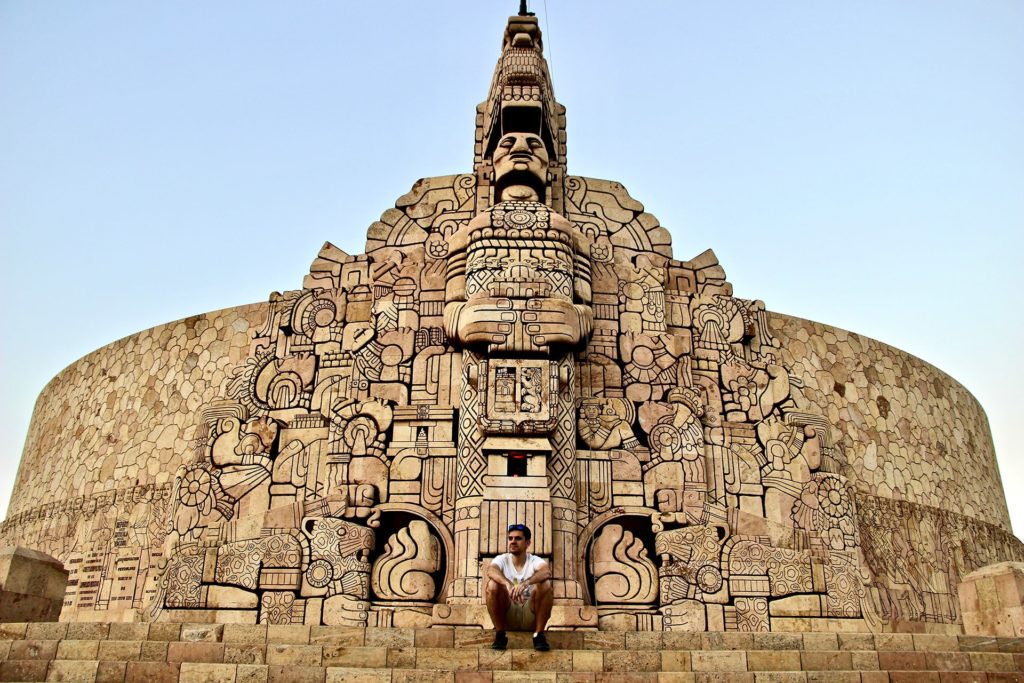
x: 518, y: 345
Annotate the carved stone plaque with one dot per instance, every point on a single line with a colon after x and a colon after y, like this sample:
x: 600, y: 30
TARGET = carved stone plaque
x: 519, y: 396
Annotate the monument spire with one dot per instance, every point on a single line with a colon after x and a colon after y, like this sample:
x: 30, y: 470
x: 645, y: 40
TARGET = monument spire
x: 511, y: 356
x: 521, y: 100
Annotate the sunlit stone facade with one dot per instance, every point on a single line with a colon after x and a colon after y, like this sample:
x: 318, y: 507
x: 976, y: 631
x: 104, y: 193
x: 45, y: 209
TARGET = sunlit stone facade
x: 516, y: 344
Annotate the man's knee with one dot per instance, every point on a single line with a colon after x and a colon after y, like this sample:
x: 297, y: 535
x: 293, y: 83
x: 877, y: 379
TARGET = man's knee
x: 542, y: 590
x: 494, y: 590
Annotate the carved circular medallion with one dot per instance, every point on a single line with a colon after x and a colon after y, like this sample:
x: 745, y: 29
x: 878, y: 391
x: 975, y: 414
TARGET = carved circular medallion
x: 831, y: 497
x: 319, y: 573
x: 322, y: 312
x: 196, y: 487
x: 665, y: 436
x: 709, y: 579
x: 521, y: 219
x: 436, y: 246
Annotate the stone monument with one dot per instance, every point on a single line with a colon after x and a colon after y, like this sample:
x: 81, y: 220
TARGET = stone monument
x: 516, y: 345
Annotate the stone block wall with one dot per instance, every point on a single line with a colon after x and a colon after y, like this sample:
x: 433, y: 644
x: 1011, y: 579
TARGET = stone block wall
x: 908, y: 430
x: 32, y: 585
x: 107, y: 435
x: 992, y: 600
x: 910, y: 434
x: 234, y: 653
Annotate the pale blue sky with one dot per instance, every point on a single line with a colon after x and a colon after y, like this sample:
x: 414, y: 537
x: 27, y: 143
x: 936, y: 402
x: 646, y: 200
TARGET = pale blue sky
x: 860, y: 164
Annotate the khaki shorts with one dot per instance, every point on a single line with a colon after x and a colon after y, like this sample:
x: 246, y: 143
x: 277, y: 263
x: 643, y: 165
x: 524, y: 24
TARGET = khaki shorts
x: 520, y: 617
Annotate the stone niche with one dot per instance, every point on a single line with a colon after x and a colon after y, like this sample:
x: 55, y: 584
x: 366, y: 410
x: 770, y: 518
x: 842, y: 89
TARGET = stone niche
x: 516, y: 345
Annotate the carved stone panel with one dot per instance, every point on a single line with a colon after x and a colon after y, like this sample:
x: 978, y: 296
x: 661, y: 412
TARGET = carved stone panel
x: 516, y: 346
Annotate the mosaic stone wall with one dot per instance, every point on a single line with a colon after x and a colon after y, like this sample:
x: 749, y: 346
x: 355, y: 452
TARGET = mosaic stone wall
x: 107, y: 435
x: 516, y: 345
x: 66, y: 505
x: 908, y: 430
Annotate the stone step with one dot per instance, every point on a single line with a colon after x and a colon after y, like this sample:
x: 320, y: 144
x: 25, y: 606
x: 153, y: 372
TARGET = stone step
x: 485, y: 659
x: 135, y: 660
x: 477, y: 638
x: 208, y: 672
x: 362, y: 655
x: 153, y: 653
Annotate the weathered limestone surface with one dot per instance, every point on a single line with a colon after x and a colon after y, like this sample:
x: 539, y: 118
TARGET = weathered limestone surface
x: 107, y: 435
x: 32, y: 585
x: 918, y: 450
x: 992, y: 600
x: 908, y: 430
x: 517, y: 345
x: 194, y: 653
x: 128, y: 403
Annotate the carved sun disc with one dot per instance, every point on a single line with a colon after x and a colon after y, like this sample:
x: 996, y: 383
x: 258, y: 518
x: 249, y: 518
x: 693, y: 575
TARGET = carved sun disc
x: 521, y: 219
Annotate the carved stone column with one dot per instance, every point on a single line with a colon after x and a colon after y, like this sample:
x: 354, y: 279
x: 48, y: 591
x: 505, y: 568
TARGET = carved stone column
x: 469, y: 472
x: 562, y: 475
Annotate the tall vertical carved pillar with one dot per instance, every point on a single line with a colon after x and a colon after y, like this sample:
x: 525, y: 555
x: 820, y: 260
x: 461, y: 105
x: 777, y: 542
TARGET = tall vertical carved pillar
x: 562, y: 475
x: 469, y: 471
x: 518, y: 299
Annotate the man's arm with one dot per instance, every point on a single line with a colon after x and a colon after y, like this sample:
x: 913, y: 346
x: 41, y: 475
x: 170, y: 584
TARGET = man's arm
x: 542, y: 574
x: 495, y: 574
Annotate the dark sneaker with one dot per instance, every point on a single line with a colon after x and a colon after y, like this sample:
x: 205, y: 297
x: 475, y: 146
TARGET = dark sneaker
x: 500, y: 641
x: 540, y: 643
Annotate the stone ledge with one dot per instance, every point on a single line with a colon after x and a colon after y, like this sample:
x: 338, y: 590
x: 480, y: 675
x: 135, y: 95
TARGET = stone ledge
x: 261, y: 654
x: 201, y: 672
x: 238, y: 635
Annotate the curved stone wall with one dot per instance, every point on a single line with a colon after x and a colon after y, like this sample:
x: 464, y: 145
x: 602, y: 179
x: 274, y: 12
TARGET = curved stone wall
x: 132, y: 404
x: 98, y: 496
x: 107, y: 435
x: 908, y: 431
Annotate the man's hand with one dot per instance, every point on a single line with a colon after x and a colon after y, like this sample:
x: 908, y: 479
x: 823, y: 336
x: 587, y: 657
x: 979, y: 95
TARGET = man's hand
x: 517, y: 593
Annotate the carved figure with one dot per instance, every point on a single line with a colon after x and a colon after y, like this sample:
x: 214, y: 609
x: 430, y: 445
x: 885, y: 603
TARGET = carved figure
x: 520, y: 167
x: 606, y: 423
x: 518, y: 349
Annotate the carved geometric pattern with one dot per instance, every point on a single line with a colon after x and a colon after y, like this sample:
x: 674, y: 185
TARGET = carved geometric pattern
x: 752, y: 614
x: 562, y: 465
x: 516, y: 345
x: 471, y: 463
x: 182, y: 578
x: 276, y: 608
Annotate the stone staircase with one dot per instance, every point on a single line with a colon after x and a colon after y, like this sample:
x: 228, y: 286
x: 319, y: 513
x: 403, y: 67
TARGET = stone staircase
x: 154, y: 653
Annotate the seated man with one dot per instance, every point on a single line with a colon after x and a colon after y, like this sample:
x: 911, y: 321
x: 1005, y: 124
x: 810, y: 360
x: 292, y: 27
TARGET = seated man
x: 519, y: 582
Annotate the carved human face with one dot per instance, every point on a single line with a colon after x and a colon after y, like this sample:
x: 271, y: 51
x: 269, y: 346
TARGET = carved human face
x: 522, y: 153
